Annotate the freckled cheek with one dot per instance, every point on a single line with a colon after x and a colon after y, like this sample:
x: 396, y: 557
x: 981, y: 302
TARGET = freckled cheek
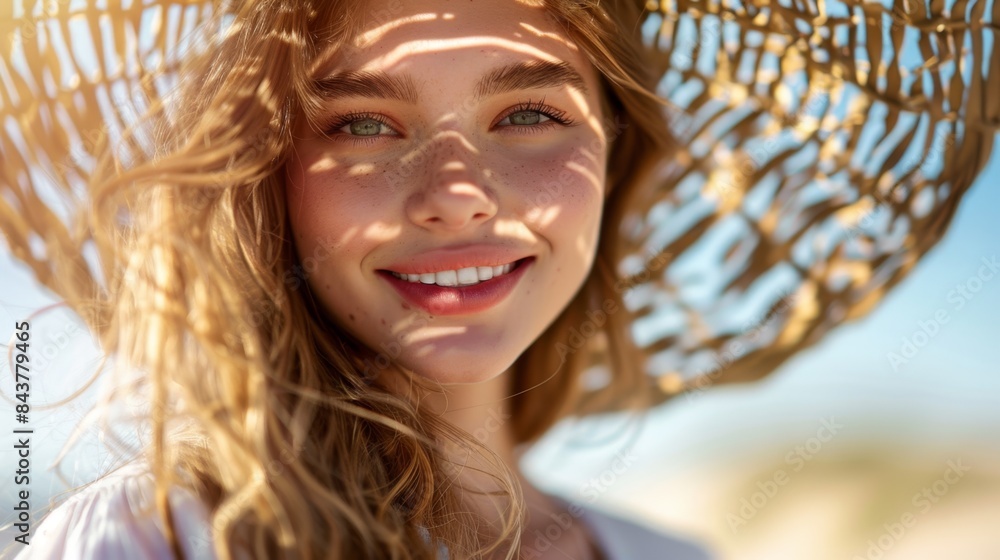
x: 335, y: 210
x: 563, y: 193
x: 330, y: 213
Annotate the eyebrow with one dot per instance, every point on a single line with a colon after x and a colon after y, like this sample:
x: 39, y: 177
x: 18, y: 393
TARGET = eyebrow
x: 529, y: 74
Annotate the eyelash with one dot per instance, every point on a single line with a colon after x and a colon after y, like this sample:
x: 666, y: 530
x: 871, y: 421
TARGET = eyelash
x: 556, y: 117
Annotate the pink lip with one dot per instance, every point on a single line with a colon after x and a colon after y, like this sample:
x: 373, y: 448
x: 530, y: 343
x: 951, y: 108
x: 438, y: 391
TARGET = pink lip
x: 457, y: 257
x: 459, y: 300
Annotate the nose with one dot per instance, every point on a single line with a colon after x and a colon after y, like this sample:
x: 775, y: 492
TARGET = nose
x: 454, y: 195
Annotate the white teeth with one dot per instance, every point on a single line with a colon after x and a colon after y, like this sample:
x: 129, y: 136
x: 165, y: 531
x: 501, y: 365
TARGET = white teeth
x: 463, y: 277
x: 468, y: 276
x: 447, y: 278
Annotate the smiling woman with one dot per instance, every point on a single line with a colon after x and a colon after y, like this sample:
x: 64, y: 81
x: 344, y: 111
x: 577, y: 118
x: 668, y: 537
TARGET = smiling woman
x: 450, y: 186
x: 367, y: 250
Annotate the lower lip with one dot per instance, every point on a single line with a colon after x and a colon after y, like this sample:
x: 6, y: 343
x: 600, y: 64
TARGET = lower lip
x: 458, y: 300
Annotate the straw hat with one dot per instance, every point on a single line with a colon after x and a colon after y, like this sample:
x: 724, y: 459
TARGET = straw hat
x: 825, y: 150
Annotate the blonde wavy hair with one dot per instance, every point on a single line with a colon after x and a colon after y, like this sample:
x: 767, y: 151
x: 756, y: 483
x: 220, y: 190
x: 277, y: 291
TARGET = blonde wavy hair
x: 259, y: 403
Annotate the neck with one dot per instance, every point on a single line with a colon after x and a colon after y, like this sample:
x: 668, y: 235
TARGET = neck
x: 483, y: 411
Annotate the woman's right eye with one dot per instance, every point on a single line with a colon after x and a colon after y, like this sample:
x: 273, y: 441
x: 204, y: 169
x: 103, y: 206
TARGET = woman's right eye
x: 361, y: 128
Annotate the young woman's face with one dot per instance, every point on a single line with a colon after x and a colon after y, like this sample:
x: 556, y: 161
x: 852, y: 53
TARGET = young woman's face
x: 460, y: 137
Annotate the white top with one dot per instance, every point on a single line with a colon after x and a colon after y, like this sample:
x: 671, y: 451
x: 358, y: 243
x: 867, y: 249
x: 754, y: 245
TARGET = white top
x: 105, y: 521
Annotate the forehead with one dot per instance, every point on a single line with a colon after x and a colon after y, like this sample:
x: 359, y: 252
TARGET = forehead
x: 466, y: 35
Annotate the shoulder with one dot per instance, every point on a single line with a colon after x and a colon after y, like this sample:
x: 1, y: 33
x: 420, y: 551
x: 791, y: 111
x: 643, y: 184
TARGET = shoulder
x: 621, y: 538
x: 115, y: 518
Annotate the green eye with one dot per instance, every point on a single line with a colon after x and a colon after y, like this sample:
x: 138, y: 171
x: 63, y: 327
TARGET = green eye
x: 525, y: 118
x: 365, y: 127
x: 534, y: 115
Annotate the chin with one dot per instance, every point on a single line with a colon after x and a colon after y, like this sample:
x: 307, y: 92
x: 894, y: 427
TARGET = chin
x: 458, y: 370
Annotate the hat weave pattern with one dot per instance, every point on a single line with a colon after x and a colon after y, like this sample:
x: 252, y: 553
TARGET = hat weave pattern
x: 825, y: 148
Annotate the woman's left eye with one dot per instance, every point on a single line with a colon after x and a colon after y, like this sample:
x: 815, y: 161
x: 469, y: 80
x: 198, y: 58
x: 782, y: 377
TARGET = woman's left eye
x: 525, y: 118
x: 365, y: 128
x: 529, y: 114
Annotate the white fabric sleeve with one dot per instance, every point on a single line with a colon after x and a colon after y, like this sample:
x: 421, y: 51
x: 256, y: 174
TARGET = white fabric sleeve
x: 105, y: 521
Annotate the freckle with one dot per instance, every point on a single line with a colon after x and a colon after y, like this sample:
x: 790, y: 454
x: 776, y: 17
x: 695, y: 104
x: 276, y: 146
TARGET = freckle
x: 351, y: 315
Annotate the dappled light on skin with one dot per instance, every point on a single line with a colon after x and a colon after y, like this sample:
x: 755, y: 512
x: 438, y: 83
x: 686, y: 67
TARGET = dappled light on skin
x: 401, y: 53
x: 408, y: 324
x: 452, y: 30
x: 454, y: 166
x: 382, y: 231
x: 366, y: 38
x: 553, y: 36
x: 438, y: 142
x: 424, y: 335
x: 582, y: 245
x: 592, y: 118
x: 321, y: 165
x: 513, y: 230
x: 361, y: 169
x: 543, y: 216
x: 586, y: 172
x: 594, y: 161
x: 432, y: 333
x: 464, y: 190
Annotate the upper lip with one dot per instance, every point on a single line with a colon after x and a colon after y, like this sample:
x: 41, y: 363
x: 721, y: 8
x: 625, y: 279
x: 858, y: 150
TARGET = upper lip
x: 457, y: 257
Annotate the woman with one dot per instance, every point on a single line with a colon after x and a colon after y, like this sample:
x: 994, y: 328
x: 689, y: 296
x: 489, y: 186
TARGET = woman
x: 358, y: 253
